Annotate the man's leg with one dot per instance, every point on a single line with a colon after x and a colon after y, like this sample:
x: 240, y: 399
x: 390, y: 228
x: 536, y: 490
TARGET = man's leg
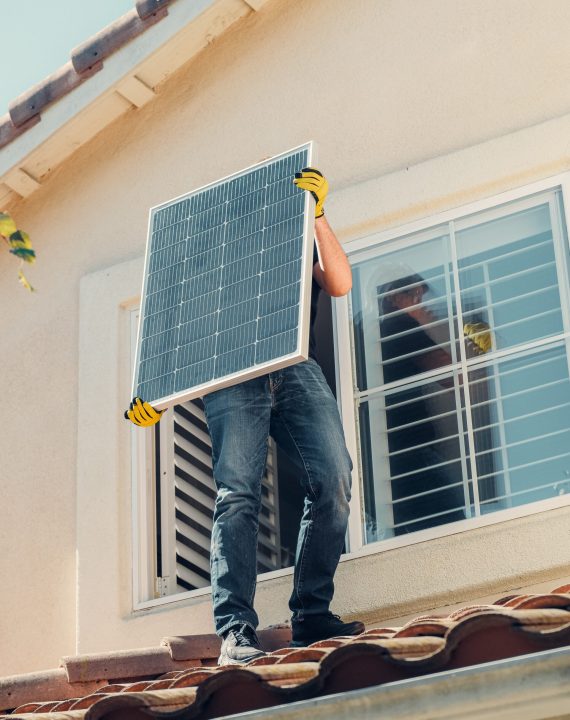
x: 306, y: 423
x: 238, y: 421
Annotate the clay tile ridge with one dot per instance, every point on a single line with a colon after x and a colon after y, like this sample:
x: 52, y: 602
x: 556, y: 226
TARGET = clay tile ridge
x: 82, y: 675
x: 190, y: 647
x: 124, y: 665
x: 41, y: 687
x: 86, y: 59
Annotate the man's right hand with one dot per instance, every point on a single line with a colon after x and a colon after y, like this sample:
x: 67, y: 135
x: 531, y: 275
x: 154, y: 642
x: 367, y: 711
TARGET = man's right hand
x: 142, y: 414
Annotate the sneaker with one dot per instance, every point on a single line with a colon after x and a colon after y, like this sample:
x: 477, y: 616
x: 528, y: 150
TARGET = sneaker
x: 240, y: 645
x: 321, y: 627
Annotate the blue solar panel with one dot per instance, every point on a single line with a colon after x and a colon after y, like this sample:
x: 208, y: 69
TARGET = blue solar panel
x: 227, y: 283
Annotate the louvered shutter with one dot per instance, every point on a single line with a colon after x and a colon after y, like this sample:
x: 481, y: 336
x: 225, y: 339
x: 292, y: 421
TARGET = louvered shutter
x: 187, y: 496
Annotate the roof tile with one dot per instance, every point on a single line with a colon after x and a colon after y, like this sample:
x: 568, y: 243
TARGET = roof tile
x: 515, y: 625
x: 145, y: 8
x: 131, y: 664
x: 107, y: 41
x: 28, y: 105
x: 86, y: 59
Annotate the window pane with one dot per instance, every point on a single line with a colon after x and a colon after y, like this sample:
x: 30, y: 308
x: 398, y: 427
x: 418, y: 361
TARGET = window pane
x: 401, y: 310
x: 414, y: 458
x: 434, y: 450
x: 521, y: 419
x: 508, y: 277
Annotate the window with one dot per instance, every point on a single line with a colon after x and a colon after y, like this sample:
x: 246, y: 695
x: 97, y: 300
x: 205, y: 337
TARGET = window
x: 461, y: 367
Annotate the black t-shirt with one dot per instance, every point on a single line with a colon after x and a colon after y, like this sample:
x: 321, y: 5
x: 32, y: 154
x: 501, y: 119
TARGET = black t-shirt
x: 315, y: 291
x: 410, y: 403
x: 399, y: 348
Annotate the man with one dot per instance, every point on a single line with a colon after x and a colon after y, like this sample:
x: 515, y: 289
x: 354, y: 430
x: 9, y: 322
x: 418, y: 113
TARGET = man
x: 296, y: 407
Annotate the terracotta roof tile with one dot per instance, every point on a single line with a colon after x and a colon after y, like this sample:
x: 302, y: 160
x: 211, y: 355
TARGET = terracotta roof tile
x: 514, y: 625
x: 25, y: 110
x: 131, y: 664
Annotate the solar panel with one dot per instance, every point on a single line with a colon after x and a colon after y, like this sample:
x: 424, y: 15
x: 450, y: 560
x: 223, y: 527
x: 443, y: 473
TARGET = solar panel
x: 227, y: 283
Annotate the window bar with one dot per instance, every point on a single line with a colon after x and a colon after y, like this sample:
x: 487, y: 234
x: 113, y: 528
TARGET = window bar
x: 410, y: 473
x: 497, y: 380
x: 437, y: 441
x: 424, y: 493
x: 430, y: 395
x: 557, y: 208
x: 464, y: 371
x: 545, y: 486
x: 528, y: 317
x: 552, y: 408
x: 421, y: 421
x: 534, y: 364
x: 394, y: 313
x: 518, y: 298
x: 518, y: 274
x: 533, y: 463
x: 509, y: 254
x: 415, y: 353
x: 525, y: 391
x: 425, y: 517
x: 526, y: 441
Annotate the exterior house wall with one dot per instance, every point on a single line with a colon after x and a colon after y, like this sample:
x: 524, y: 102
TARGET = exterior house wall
x: 416, y: 108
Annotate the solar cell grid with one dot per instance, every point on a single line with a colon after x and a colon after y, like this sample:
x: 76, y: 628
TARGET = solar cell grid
x: 223, y: 285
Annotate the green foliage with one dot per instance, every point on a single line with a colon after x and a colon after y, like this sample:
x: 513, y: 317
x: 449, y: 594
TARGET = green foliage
x: 20, y: 245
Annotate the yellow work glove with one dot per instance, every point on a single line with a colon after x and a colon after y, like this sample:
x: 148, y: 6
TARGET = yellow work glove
x: 142, y: 414
x: 316, y: 183
x: 480, y: 335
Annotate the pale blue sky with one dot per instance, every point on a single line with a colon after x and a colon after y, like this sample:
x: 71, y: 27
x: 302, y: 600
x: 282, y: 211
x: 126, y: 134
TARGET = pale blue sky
x: 38, y: 35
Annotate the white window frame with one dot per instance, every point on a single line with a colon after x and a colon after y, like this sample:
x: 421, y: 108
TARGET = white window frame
x: 346, y: 373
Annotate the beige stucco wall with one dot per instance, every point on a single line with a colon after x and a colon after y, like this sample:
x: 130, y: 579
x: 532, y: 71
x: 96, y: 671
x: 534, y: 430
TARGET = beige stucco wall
x: 416, y: 107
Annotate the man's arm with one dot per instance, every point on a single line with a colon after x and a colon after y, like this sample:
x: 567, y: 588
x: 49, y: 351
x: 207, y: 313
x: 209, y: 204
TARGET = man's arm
x: 335, y: 277
x: 333, y: 274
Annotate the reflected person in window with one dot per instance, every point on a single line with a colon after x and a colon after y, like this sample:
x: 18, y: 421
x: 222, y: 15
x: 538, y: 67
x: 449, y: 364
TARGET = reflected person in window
x: 424, y: 459
x: 297, y: 408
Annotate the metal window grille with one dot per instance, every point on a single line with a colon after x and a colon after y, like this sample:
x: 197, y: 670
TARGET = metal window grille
x: 470, y: 433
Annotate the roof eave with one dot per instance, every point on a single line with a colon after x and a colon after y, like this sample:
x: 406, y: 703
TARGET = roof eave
x: 142, y: 53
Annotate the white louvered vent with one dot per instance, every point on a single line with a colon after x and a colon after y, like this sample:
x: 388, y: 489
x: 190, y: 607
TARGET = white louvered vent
x: 194, y: 496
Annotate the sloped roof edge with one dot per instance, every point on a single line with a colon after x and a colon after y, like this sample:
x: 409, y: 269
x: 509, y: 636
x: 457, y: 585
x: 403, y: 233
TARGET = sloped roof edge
x: 102, y: 80
x: 521, y: 688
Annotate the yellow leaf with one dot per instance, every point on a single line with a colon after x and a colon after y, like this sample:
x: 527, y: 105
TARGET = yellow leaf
x: 7, y: 225
x: 22, y: 246
x: 22, y: 279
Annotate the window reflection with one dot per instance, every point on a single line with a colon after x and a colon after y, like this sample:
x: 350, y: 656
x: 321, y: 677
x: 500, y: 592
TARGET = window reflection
x: 423, y: 440
x: 463, y: 387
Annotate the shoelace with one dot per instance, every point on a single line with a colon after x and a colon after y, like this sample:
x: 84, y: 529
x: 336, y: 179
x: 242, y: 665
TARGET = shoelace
x: 242, y: 638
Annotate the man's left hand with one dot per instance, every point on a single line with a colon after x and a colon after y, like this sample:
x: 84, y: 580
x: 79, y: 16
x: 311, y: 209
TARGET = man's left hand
x: 315, y: 182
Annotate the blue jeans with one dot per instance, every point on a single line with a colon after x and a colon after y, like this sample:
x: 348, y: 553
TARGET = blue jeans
x: 296, y: 407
